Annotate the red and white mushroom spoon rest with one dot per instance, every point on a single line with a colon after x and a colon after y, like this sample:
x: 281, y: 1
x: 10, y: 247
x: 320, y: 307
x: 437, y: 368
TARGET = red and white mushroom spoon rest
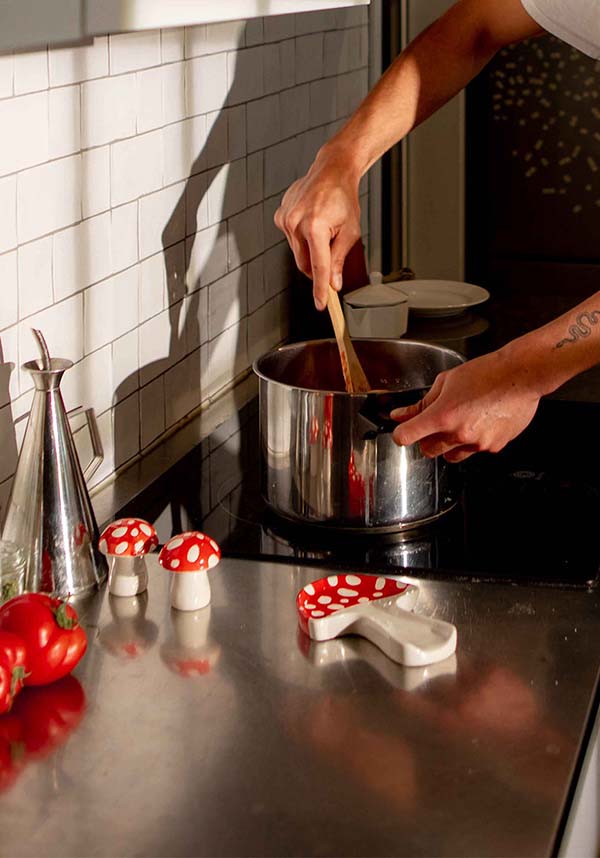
x: 379, y: 609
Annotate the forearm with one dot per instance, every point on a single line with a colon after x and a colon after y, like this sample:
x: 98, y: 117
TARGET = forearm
x: 551, y: 355
x: 429, y: 72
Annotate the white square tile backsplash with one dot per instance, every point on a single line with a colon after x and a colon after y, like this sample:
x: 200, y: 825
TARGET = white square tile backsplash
x: 73, y: 65
x: 8, y: 213
x: 24, y: 123
x: 108, y: 110
x: 35, y: 276
x: 48, y: 198
x: 139, y: 175
x: 31, y: 72
x: 9, y: 305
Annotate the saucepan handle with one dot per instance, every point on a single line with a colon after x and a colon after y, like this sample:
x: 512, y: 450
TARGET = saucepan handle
x: 378, y: 406
x: 97, y: 448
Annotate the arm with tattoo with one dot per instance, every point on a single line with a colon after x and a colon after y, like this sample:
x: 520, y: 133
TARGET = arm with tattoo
x: 582, y: 328
x: 486, y: 402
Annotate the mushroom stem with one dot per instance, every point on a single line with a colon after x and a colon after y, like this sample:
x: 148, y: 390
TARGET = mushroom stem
x: 190, y: 590
x: 128, y: 576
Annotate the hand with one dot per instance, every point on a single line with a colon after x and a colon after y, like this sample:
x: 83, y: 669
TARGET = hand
x: 478, y: 406
x: 320, y: 216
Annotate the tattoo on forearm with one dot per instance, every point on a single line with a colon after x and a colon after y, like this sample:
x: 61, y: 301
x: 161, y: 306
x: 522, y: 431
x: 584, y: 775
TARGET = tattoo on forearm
x: 581, y: 329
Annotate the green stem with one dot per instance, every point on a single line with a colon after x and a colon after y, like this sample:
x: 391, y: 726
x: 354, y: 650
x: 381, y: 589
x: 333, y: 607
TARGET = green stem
x: 18, y: 675
x: 63, y: 619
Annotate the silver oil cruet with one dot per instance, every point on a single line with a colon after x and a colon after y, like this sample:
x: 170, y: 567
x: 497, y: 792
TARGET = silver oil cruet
x: 49, y: 513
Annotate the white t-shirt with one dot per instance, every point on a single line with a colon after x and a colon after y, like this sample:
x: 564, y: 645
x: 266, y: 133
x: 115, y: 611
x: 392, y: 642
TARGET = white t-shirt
x: 576, y: 22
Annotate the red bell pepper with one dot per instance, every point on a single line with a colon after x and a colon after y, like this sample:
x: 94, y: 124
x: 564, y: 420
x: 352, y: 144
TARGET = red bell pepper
x: 54, y: 640
x: 12, y: 668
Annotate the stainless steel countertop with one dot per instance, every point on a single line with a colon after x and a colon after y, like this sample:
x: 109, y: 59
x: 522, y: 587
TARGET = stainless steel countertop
x: 225, y: 732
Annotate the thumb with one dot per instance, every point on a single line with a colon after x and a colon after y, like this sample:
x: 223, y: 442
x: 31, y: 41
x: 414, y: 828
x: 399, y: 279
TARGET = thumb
x: 407, y: 411
x: 416, y: 427
x: 417, y: 420
x: 340, y: 247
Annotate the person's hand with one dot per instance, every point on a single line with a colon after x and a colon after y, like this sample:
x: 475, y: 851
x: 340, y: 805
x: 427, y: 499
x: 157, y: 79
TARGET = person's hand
x: 478, y: 406
x: 320, y: 216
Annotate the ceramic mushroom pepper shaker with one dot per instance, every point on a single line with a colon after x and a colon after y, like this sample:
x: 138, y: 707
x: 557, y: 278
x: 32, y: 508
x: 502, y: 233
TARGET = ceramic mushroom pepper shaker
x: 188, y: 556
x: 126, y: 542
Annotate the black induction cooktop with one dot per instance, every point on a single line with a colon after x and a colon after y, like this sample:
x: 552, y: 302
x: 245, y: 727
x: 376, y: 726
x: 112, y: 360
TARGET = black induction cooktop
x: 529, y: 514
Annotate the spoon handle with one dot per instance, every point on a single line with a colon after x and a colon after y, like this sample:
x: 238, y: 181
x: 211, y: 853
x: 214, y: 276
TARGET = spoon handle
x: 407, y: 638
x: 354, y: 376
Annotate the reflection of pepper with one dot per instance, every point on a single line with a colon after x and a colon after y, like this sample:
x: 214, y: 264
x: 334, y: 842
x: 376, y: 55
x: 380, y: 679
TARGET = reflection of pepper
x: 313, y: 436
x: 356, y: 489
x: 48, y: 714
x: 80, y: 534
x: 11, y: 750
x: 8, y: 769
x: 11, y: 729
x: 327, y: 440
x: 47, y: 581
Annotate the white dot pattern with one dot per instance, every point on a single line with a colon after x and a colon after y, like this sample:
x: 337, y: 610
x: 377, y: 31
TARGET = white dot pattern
x: 190, y: 552
x: 343, y: 591
x: 123, y: 538
x: 193, y: 553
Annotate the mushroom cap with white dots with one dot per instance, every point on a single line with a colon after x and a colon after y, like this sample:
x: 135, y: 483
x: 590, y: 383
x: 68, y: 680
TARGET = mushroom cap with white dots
x: 127, y: 537
x: 192, y: 551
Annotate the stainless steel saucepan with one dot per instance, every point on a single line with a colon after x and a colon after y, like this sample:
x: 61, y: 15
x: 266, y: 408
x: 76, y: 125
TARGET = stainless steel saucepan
x: 328, y: 457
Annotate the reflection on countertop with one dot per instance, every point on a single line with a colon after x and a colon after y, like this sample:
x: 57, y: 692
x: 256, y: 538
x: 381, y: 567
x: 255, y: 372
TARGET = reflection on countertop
x: 235, y: 735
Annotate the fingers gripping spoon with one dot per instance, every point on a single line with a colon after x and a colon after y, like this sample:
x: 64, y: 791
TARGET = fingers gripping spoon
x: 378, y: 609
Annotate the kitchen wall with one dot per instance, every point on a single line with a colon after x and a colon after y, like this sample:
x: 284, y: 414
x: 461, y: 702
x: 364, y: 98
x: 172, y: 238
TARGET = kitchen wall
x: 138, y: 180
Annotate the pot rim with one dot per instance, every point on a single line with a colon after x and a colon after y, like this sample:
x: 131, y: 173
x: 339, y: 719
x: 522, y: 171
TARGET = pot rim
x: 289, y: 346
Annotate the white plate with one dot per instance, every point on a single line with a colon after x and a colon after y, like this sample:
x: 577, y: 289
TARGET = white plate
x: 441, y: 297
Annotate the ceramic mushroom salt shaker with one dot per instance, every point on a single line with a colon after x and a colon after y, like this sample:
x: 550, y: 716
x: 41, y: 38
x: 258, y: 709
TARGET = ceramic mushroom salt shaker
x: 126, y: 542
x: 188, y: 556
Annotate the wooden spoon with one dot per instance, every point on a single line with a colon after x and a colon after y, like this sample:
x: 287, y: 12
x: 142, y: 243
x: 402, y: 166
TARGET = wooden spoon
x: 354, y: 375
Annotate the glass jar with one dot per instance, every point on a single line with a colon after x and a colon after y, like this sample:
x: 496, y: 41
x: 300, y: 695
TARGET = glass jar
x: 12, y: 570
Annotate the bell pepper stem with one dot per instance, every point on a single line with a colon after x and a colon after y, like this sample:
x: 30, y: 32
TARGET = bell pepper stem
x: 63, y: 619
x: 18, y: 675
